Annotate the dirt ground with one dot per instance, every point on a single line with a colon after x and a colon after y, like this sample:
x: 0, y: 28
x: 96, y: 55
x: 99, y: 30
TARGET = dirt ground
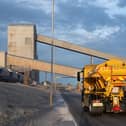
x: 19, y: 102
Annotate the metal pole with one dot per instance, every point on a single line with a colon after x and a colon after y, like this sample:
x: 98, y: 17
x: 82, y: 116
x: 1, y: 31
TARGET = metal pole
x: 52, y: 58
x: 46, y: 76
x: 91, y: 59
x: 55, y: 84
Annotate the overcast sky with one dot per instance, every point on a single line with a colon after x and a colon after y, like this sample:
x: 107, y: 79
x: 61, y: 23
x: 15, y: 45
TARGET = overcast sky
x: 97, y: 24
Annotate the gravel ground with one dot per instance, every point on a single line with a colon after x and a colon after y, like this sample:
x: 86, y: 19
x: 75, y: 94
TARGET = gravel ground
x: 18, y: 103
x: 22, y: 105
x: 58, y: 116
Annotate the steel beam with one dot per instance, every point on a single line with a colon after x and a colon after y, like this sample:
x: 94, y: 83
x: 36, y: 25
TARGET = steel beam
x: 41, y: 65
x: 75, y: 48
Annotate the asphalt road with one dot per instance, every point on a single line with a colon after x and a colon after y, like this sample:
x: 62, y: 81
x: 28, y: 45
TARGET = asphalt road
x: 85, y: 119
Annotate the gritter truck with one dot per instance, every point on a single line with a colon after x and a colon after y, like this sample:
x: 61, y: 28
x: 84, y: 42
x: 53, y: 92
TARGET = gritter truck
x: 104, y: 86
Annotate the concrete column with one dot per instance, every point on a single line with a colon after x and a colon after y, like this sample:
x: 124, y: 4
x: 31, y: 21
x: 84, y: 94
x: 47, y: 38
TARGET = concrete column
x: 3, y: 59
x: 26, y: 77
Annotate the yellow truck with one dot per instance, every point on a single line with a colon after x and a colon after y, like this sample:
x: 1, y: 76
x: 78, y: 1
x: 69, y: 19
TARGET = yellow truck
x: 104, y: 86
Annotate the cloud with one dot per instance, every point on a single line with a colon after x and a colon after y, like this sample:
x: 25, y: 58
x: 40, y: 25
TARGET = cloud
x: 12, y: 12
x: 111, y: 7
x: 44, y: 5
x: 105, y: 32
x: 81, y: 35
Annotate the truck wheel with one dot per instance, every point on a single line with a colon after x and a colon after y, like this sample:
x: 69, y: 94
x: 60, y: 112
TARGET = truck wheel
x: 95, y: 110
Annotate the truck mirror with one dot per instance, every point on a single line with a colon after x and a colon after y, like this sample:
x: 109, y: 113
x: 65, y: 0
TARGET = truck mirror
x: 78, y: 76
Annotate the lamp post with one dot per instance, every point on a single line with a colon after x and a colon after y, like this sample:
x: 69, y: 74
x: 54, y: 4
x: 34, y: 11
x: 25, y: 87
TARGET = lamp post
x: 52, y: 58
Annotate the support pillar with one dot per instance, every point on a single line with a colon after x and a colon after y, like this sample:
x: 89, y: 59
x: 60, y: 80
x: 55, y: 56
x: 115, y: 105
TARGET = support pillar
x: 26, y: 77
x: 91, y: 60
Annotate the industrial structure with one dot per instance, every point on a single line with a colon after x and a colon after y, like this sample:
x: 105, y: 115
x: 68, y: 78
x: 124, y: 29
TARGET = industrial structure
x: 21, y: 42
x: 22, y: 55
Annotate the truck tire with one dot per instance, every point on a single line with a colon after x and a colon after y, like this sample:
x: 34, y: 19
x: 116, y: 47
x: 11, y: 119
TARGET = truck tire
x: 95, y: 110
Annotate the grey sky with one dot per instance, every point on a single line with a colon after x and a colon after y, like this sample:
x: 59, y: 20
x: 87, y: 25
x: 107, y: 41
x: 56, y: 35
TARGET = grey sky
x: 98, y: 24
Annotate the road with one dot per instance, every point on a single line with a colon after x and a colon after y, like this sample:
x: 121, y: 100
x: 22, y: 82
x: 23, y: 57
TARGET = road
x: 85, y: 119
